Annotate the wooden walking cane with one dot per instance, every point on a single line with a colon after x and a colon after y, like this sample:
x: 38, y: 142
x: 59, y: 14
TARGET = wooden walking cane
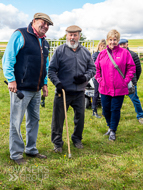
x: 65, y: 109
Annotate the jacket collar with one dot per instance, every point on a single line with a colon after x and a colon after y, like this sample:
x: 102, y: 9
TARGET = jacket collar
x: 116, y: 48
x: 30, y: 30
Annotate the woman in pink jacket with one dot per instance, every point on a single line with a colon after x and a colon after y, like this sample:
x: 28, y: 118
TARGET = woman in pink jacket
x: 112, y: 86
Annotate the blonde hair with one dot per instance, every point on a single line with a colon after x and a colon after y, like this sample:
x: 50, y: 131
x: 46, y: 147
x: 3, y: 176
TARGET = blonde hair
x: 113, y: 33
x: 103, y: 42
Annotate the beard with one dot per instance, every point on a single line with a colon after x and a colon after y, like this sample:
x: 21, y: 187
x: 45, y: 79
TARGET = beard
x: 74, y: 46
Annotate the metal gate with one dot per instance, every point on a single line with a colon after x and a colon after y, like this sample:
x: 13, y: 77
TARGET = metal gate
x: 55, y: 43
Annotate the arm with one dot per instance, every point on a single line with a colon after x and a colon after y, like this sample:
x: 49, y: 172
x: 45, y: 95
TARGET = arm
x: 130, y: 68
x: 98, y: 76
x: 138, y: 65
x: 15, y: 43
x: 53, y: 68
x: 45, y: 88
x: 91, y: 70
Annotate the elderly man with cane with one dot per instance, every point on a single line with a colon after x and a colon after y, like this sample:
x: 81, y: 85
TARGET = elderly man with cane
x: 71, y: 67
x: 25, y: 65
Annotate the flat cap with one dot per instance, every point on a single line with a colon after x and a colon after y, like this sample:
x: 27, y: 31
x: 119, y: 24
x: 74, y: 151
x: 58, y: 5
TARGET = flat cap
x: 73, y: 28
x: 123, y: 41
x: 43, y: 17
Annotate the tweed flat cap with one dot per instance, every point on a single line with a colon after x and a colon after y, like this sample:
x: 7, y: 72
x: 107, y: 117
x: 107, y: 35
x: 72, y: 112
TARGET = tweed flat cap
x: 43, y: 17
x: 73, y: 28
x: 123, y: 41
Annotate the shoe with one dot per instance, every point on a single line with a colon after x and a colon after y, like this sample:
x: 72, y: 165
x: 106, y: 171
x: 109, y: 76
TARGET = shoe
x: 108, y: 132
x: 112, y: 136
x: 96, y: 114
x: 20, y: 161
x: 141, y: 120
x: 40, y: 156
x: 58, y: 149
x: 78, y: 145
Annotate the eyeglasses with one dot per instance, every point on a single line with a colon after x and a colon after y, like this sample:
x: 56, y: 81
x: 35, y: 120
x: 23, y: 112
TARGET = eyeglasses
x: 42, y: 101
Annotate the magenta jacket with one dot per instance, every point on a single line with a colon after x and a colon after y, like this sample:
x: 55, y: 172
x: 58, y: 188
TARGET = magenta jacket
x: 110, y: 81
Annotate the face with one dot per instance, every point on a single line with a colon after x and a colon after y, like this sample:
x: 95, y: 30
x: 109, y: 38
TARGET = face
x: 101, y: 47
x: 40, y: 26
x: 112, y: 42
x: 124, y: 45
x: 73, y: 37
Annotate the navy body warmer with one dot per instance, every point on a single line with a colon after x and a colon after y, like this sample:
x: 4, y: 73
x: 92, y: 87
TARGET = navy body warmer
x: 30, y: 68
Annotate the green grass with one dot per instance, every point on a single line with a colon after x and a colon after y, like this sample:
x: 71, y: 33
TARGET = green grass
x: 101, y: 165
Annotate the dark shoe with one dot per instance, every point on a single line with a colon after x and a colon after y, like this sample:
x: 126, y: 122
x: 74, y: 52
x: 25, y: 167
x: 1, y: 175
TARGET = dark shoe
x: 20, y: 161
x: 78, y: 145
x: 112, y: 136
x: 58, y: 149
x: 40, y: 156
x: 108, y: 132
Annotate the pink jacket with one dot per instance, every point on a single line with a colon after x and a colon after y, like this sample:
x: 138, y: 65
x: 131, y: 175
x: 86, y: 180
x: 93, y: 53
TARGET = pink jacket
x: 110, y: 81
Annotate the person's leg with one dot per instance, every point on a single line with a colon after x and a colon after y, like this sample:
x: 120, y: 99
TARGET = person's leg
x: 17, y: 111
x: 57, y: 121
x: 32, y: 122
x: 78, y: 106
x: 95, y: 99
x: 106, y: 106
x: 137, y: 104
x: 96, y: 95
x: 116, y: 104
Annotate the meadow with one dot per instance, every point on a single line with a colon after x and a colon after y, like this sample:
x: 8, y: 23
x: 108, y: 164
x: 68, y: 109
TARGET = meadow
x: 101, y: 165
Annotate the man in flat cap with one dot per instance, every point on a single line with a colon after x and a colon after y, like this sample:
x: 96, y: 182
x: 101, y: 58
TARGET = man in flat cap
x: 134, y: 97
x: 71, y: 67
x: 25, y: 65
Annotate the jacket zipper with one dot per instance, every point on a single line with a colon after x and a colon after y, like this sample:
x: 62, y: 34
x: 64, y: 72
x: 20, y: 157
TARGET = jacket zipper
x: 42, y: 63
x: 41, y: 60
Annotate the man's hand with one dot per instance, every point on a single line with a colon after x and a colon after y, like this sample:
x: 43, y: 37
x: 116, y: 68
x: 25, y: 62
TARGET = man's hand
x: 79, y: 79
x: 59, y: 88
x: 45, y: 91
x: 12, y: 86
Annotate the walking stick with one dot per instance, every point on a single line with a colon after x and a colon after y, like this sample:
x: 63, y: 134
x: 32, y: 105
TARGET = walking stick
x: 65, y: 109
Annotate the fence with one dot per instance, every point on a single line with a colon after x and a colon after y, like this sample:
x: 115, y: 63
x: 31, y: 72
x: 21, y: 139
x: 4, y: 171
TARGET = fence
x: 90, y: 45
x: 55, y: 43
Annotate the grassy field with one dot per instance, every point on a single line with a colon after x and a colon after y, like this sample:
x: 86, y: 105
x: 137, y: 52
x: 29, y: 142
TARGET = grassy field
x: 101, y: 165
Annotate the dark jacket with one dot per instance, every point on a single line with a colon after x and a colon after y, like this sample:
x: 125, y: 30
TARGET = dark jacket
x: 138, y: 67
x: 30, y: 67
x: 94, y: 55
x: 66, y: 63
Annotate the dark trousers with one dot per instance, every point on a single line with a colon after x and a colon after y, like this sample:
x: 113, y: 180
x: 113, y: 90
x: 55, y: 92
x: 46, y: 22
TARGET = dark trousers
x: 111, y: 109
x: 77, y: 102
x: 96, y: 95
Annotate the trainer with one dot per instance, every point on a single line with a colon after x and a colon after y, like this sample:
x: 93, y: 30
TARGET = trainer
x: 71, y: 67
x: 25, y: 65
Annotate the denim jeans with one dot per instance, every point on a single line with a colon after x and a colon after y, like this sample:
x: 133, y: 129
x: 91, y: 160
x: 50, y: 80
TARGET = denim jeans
x: 96, y: 95
x: 111, y: 109
x: 137, y: 104
x: 29, y: 105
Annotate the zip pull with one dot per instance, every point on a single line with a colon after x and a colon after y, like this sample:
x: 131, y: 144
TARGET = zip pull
x: 42, y: 49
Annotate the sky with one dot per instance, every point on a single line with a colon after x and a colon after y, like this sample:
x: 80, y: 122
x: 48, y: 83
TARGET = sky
x: 95, y: 17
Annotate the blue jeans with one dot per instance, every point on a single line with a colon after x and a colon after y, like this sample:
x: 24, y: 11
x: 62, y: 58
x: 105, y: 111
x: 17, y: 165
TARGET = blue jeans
x: 96, y: 95
x: 111, y: 109
x: 137, y: 104
x: 29, y: 105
